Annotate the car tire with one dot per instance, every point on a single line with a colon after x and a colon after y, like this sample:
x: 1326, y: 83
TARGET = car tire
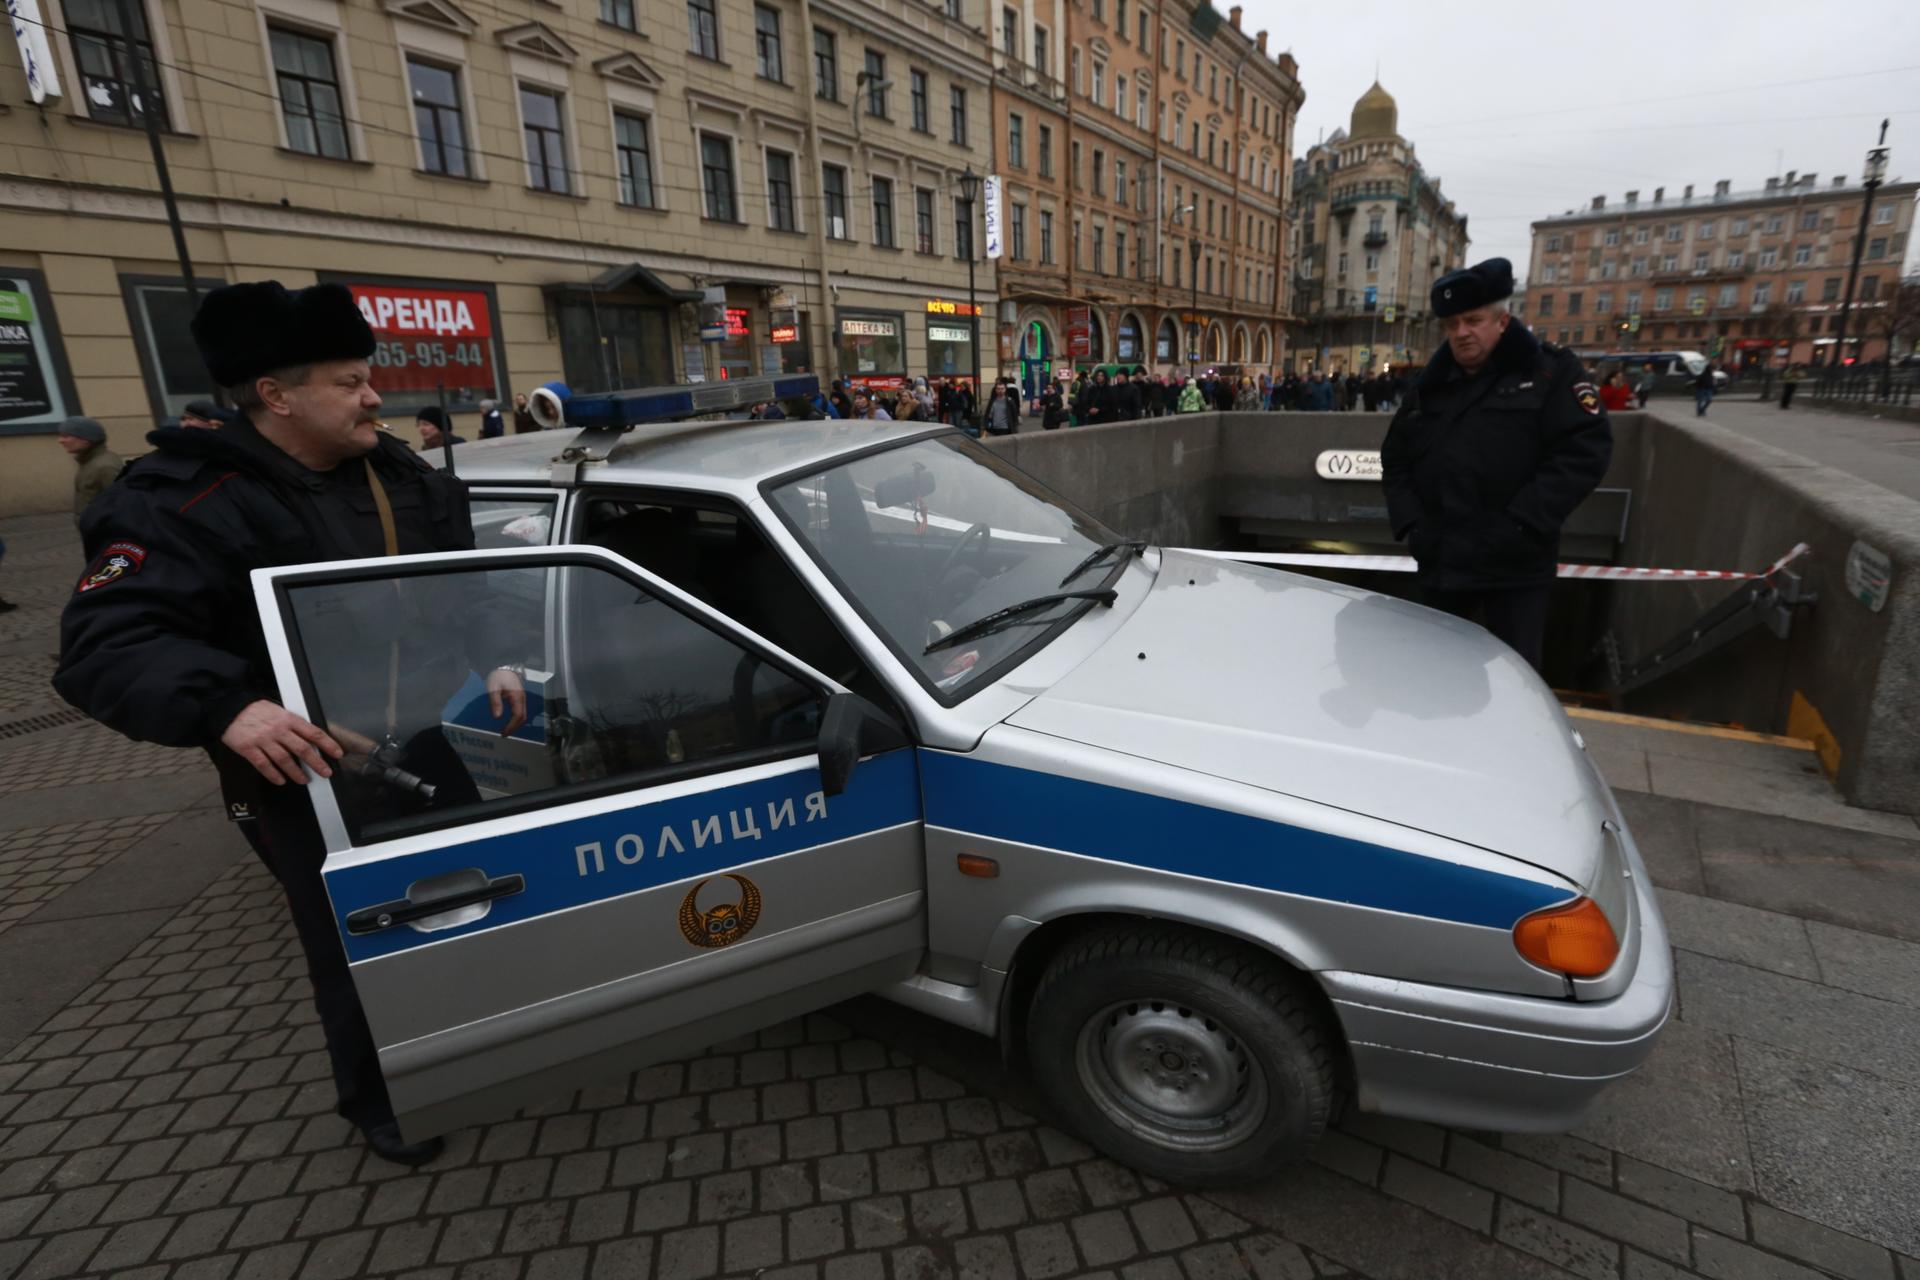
x: 1189, y: 1057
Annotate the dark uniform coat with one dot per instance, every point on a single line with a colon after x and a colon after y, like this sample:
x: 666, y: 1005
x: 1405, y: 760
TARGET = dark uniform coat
x: 1482, y: 471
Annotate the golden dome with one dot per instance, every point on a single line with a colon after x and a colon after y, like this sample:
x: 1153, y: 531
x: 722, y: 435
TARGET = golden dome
x: 1376, y: 115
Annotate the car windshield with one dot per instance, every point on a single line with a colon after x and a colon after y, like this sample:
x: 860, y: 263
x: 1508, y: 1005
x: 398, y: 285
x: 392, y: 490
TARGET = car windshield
x: 939, y: 533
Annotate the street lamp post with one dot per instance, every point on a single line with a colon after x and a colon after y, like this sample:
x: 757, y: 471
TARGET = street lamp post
x: 969, y: 191
x: 1193, y: 327
x: 1876, y: 173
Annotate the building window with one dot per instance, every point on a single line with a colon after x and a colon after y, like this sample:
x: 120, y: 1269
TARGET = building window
x: 1796, y: 291
x: 634, y: 156
x: 780, y: 192
x: 1639, y: 235
x: 833, y: 186
x: 962, y: 228
x: 1099, y: 94
x: 1046, y: 237
x: 1633, y: 302
x: 1073, y: 60
x: 1046, y: 151
x: 1810, y: 220
x: 1373, y: 261
x: 439, y: 118
x: 883, y: 213
x: 1670, y: 262
x: 923, y: 221
x: 957, y: 108
x: 1763, y: 293
x: 1099, y: 251
x: 917, y: 101
x: 1729, y: 295
x: 106, y: 73
x: 1016, y: 141
x: 1142, y: 114
x: 1877, y: 248
x: 1145, y: 35
x: 1869, y: 288
x: 1802, y: 255
x: 546, y: 140
x: 876, y: 69
x: 716, y: 177
x: 1017, y: 231
x: 1010, y: 32
x: 1776, y: 224
x: 309, y: 93
x: 1553, y: 242
x: 618, y: 13
x: 1099, y: 172
x: 766, y: 43
x: 1702, y: 261
x: 1769, y: 257
x: 1041, y: 52
x: 1119, y: 251
x: 826, y: 66
x: 1573, y: 304
x: 1602, y: 303
x: 1120, y: 20
x: 1120, y: 96
x: 1613, y: 237
x: 1549, y: 273
x: 953, y: 9
x: 1736, y: 260
x: 703, y: 29
x: 1705, y: 231
x: 1739, y: 226
x: 1830, y: 289
x: 1883, y: 216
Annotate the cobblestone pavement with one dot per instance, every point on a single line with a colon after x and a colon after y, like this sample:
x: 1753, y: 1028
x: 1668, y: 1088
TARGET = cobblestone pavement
x: 165, y: 1109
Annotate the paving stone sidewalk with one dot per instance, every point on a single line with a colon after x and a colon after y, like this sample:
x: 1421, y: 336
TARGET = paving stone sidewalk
x: 165, y: 1106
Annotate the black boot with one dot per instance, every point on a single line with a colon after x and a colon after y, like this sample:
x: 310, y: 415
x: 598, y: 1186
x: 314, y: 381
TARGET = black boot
x: 384, y: 1140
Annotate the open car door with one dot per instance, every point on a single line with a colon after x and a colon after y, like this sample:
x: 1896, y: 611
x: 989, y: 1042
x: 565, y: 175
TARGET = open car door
x: 651, y: 863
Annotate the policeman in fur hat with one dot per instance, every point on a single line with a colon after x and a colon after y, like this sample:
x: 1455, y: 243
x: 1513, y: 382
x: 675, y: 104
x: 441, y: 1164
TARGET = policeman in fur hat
x: 1501, y: 437
x: 161, y: 640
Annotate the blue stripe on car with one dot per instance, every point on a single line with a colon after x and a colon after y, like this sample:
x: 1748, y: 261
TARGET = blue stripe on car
x: 882, y: 793
x: 1023, y: 806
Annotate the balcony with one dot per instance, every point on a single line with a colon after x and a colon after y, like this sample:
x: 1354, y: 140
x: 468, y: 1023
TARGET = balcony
x: 1374, y: 239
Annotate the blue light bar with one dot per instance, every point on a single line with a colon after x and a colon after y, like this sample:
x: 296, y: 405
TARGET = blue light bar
x: 621, y: 409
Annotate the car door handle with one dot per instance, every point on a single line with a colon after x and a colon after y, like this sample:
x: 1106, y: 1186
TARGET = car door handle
x: 390, y: 915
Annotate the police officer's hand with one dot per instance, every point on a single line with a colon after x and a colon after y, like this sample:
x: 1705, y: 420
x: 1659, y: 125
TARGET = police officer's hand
x: 277, y: 742
x: 507, y: 696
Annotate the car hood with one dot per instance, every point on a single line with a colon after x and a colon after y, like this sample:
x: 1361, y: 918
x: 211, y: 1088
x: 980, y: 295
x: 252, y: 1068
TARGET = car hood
x: 1342, y: 697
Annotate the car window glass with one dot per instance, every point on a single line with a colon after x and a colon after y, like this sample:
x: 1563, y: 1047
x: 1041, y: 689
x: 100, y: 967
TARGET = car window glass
x: 621, y: 689
x: 722, y: 558
x: 511, y: 522
x: 934, y: 534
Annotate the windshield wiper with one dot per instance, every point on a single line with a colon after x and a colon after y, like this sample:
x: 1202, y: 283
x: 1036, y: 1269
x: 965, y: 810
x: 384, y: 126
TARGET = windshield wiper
x: 1098, y: 554
x: 1000, y: 617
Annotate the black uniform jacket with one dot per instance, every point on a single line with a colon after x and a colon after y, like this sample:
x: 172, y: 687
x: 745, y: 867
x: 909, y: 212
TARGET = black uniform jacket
x: 161, y: 640
x: 1482, y: 471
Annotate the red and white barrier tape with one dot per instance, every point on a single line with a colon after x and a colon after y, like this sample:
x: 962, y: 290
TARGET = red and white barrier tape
x: 1405, y: 564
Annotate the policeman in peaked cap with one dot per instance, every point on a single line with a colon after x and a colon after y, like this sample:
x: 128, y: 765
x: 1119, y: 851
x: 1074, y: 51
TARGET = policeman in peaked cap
x: 161, y: 640
x: 1501, y: 437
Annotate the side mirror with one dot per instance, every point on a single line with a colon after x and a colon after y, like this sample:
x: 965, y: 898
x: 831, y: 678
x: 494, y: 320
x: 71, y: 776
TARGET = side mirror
x: 852, y: 727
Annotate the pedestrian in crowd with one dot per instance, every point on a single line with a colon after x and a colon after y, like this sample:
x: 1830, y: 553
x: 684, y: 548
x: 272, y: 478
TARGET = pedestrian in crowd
x: 1615, y: 393
x: 1355, y: 389
x: 1053, y: 406
x: 1370, y: 393
x: 203, y: 415
x: 95, y: 465
x: 1094, y: 405
x: 492, y: 424
x: 161, y: 642
x: 819, y: 407
x: 1247, y: 398
x: 1703, y: 389
x: 767, y: 411
x: 924, y: 395
x: 522, y: 415
x: 963, y: 405
x: 1129, y: 404
x: 1495, y: 445
x: 431, y: 423
x: 1643, y: 388
x: 842, y: 402
x: 1002, y: 415
x: 1789, y: 383
x: 867, y: 405
x: 1321, y: 393
x: 1191, y: 400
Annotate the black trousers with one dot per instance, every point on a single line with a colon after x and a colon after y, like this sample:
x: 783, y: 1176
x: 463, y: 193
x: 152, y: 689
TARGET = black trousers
x: 288, y: 841
x: 1517, y: 616
x: 1786, y: 393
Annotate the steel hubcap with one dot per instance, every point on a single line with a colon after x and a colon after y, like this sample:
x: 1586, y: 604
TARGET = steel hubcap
x: 1171, y: 1073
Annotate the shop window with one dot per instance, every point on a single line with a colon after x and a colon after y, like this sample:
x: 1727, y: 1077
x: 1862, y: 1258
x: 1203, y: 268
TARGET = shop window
x: 439, y: 117
x: 309, y: 93
x: 100, y: 47
x: 871, y: 345
x: 162, y: 316
x: 36, y: 388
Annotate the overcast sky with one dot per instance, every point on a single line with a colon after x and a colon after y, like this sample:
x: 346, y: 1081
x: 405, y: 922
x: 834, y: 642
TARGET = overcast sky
x: 1524, y: 110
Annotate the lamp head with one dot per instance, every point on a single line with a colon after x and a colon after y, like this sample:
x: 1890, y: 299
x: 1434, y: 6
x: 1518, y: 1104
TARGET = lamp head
x: 969, y: 185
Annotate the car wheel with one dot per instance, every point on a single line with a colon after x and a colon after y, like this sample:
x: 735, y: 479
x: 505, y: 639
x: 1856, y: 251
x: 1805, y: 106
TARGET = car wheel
x: 1188, y: 1057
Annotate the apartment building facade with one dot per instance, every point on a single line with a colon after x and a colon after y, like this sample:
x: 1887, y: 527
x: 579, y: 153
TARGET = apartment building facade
x: 1143, y: 150
x: 516, y: 193
x: 1373, y: 232
x: 1751, y: 278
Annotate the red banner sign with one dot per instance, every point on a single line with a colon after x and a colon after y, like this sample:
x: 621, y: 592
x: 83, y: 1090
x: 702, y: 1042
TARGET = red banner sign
x: 428, y: 338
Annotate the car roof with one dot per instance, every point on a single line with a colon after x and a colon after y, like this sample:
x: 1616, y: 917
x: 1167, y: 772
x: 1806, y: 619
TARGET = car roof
x: 733, y: 454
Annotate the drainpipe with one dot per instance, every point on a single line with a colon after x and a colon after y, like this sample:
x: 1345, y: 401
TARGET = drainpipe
x: 827, y: 353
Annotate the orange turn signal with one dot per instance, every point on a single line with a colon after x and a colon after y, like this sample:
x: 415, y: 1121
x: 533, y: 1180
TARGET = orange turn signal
x: 975, y: 864
x: 1574, y: 939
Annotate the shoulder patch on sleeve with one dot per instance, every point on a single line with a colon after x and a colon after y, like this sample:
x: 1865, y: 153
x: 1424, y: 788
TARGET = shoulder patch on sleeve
x: 119, y: 560
x: 1587, y: 395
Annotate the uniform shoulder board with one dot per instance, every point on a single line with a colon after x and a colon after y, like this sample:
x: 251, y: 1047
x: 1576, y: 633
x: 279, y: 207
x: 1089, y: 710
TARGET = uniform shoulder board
x: 163, y: 464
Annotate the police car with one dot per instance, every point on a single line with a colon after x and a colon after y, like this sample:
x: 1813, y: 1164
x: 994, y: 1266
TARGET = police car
x: 822, y: 708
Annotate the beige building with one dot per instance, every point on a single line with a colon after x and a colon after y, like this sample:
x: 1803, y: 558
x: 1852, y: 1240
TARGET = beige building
x: 1144, y: 150
x: 1749, y: 278
x: 514, y: 197
x: 1373, y: 233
